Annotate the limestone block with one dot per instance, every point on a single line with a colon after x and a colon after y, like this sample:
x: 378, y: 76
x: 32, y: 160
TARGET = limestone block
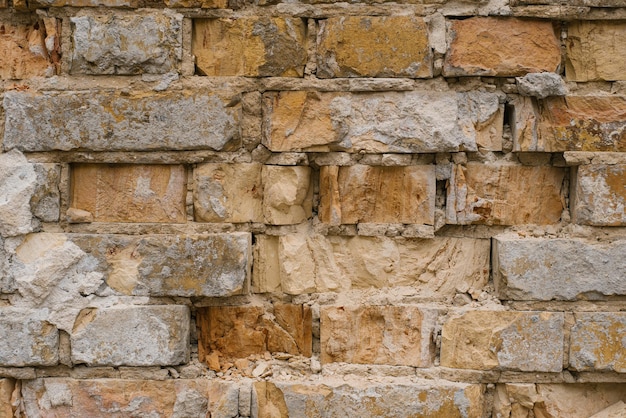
x: 492, y: 46
x: 155, y: 335
x: 504, y: 194
x: 45, y: 202
x: 541, y: 85
x: 117, y: 121
x: 338, y: 397
x: 130, y: 193
x: 203, y: 4
x: 126, y: 44
x: 84, y: 3
x: 176, y: 398
x: 250, y: 46
x: 597, y: 342
x: 362, y: 193
x: 558, y: 269
x: 6, y: 390
x: 373, y: 46
x: 239, y: 331
x: 28, y: 339
x: 399, y: 122
x: 287, y: 194
x: 24, y: 52
x: 18, y: 182
x: 392, y: 335
x: 616, y: 410
x: 577, y: 400
x: 504, y: 340
x: 571, y: 123
x: 592, y: 3
x: 302, y: 263
x: 599, y: 195
x: 595, y: 51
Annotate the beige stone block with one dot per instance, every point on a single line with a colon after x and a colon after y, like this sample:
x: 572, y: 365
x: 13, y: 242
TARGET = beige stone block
x: 24, y: 52
x: 228, y: 193
x: 577, y: 400
x: 28, y: 338
x: 504, y: 194
x: 373, y: 46
x: 504, y: 340
x: 287, y: 194
x: 392, y: 335
x: 599, y: 195
x: 595, y: 51
x: 250, y: 46
x: 492, y: 46
x: 6, y: 392
x: 302, y: 263
x: 617, y: 410
x: 83, y: 3
x: 361, y: 193
x: 239, y: 331
x: 597, y: 342
x: 64, y: 397
x: 203, y: 4
x: 130, y: 193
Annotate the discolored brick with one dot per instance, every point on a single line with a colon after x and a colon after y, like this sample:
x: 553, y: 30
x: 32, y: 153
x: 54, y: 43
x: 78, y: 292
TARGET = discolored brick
x: 599, y: 195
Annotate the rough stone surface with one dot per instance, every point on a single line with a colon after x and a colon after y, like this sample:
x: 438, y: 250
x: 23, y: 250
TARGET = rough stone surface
x: 130, y: 193
x: 113, y: 121
x: 156, y: 335
x: 541, y: 85
x: 24, y: 52
x: 414, y: 121
x: 239, y: 331
x: 501, y: 340
x: 84, y: 3
x: 117, y: 44
x: 336, y: 397
x: 376, y: 46
x: 597, y: 342
x: 28, y: 338
x: 491, y: 46
x: 301, y: 263
x: 18, y: 182
x: 6, y: 389
x: 287, y: 194
x: 45, y: 202
x: 600, y: 195
x: 180, y: 398
x: 504, y: 194
x: 577, y: 400
x: 393, y: 335
x: 558, y: 269
x: 594, y: 51
x: 361, y: 193
x: 252, y: 47
x: 571, y: 123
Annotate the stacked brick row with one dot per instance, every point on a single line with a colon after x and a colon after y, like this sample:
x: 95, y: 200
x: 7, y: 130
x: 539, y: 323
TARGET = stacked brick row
x: 234, y: 209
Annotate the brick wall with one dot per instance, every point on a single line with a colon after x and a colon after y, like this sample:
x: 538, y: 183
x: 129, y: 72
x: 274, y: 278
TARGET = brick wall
x: 230, y: 208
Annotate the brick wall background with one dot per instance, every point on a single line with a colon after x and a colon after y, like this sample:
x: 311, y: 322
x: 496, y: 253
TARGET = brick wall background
x: 235, y: 208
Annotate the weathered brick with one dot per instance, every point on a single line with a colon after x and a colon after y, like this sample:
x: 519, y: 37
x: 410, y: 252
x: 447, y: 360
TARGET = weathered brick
x: 592, y: 3
x: 117, y: 121
x: 571, y: 123
x: 491, y: 46
x: 46, y: 199
x: 130, y: 193
x: 404, y: 122
x: 239, y: 331
x: 83, y: 3
x: 24, y: 52
x: 338, y: 397
x: 302, y: 263
x: 28, y: 339
x: 287, y: 194
x: 6, y: 390
x: 595, y: 51
x: 392, y: 194
x: 373, y: 46
x: 203, y: 4
x: 597, y: 342
x: 127, y: 44
x: 577, y: 400
x: 250, y: 46
x: 392, y: 335
x: 558, y: 269
x: 504, y: 340
x: 504, y: 194
x: 599, y: 195
x: 155, y: 335
x: 177, y: 398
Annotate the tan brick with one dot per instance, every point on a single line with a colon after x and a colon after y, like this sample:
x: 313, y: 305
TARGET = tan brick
x: 24, y: 52
x: 130, y: 193
x: 571, y: 123
x: 599, y: 195
x: 6, y: 391
x: 239, y: 331
x: 504, y: 194
x: 501, y: 340
x: 361, y: 193
x: 597, y: 342
x: 373, y: 46
x: 287, y: 194
x: 491, y: 46
x: 250, y: 46
x: 393, y: 335
x: 117, y: 398
x: 595, y: 51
